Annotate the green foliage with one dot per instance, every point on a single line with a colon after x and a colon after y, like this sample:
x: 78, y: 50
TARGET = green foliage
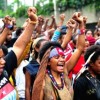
x: 2, y: 4
x: 21, y: 12
x: 44, y: 9
x: 76, y: 4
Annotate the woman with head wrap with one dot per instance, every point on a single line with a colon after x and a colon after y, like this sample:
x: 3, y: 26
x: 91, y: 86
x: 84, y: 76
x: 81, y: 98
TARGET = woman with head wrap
x: 52, y: 82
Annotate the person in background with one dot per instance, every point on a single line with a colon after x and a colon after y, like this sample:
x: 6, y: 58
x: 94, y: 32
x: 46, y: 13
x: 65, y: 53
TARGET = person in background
x: 87, y: 82
x: 32, y: 68
x: 9, y: 62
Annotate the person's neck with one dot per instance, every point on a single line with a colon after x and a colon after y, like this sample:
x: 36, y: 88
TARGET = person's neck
x: 92, y: 72
x: 56, y: 77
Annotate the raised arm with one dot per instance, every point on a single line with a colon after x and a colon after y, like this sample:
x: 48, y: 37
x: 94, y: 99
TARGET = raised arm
x: 8, y: 24
x: 44, y: 28
x: 25, y: 37
x: 62, y: 18
x: 80, y: 42
x: 71, y: 24
x: 53, y: 23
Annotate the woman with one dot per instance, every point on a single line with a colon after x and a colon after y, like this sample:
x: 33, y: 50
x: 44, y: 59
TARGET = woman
x: 32, y: 68
x: 52, y: 82
x: 87, y: 85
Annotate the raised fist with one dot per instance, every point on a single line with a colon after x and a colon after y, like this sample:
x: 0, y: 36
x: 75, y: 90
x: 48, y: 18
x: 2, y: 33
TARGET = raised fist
x: 62, y: 16
x: 71, y: 24
x: 32, y: 14
x: 78, y: 17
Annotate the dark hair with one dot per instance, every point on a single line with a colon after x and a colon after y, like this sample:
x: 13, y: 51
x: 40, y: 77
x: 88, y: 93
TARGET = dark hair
x: 19, y: 31
x: 5, y: 49
x: 37, y: 46
x: 46, y: 47
x: 90, y: 50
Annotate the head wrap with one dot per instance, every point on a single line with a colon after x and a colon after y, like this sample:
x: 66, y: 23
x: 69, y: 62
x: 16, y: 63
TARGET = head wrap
x: 56, y: 51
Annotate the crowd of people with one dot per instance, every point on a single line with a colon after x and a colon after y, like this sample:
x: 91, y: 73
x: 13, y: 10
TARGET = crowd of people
x: 44, y: 60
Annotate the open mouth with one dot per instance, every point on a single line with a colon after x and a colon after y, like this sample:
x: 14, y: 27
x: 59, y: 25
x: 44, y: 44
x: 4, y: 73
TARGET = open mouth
x: 61, y: 64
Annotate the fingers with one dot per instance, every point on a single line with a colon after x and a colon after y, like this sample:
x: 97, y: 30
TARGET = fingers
x: 76, y: 15
x: 79, y: 18
x: 62, y: 16
x: 71, y: 23
x: 32, y: 14
x: 32, y: 9
x: 84, y: 19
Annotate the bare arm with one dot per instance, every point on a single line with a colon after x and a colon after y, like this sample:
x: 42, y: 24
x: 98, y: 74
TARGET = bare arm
x: 53, y: 23
x: 7, y: 21
x: 45, y: 25
x: 71, y: 25
x: 27, y: 85
x: 40, y: 24
x: 62, y: 17
x: 80, y: 45
x: 3, y: 35
x: 25, y: 37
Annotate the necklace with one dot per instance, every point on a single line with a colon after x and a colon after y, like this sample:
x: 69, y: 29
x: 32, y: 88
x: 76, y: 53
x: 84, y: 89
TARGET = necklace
x: 54, y: 81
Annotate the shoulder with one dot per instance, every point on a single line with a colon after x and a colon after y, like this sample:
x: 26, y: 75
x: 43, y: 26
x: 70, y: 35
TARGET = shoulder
x: 81, y: 81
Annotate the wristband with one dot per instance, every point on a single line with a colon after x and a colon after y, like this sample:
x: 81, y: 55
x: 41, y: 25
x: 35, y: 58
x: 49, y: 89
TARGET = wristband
x: 80, y: 32
x: 33, y: 22
x: 9, y: 27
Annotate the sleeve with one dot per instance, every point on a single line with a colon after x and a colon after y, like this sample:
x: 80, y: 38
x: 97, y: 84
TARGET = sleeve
x: 55, y: 36
x: 79, y: 90
x: 11, y: 62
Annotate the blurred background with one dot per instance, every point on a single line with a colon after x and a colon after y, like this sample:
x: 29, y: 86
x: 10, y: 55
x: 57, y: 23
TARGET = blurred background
x: 46, y: 8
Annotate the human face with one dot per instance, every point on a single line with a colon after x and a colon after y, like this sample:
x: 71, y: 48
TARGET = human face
x: 9, y: 36
x: 87, y: 44
x: 95, y: 67
x: 89, y: 33
x: 57, y: 63
x: 2, y: 61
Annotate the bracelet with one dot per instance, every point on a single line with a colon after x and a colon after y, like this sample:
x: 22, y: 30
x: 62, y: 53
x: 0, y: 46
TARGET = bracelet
x: 9, y: 27
x: 32, y: 22
x: 80, y: 32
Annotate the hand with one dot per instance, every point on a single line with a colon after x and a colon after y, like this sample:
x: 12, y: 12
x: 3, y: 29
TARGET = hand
x: 47, y: 20
x: 62, y: 16
x: 41, y: 19
x: 8, y: 20
x: 32, y: 14
x: 80, y: 19
x: 53, y: 17
x: 77, y: 16
x: 71, y: 24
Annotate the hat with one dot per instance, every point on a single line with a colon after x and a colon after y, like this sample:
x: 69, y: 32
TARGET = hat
x: 91, y: 40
